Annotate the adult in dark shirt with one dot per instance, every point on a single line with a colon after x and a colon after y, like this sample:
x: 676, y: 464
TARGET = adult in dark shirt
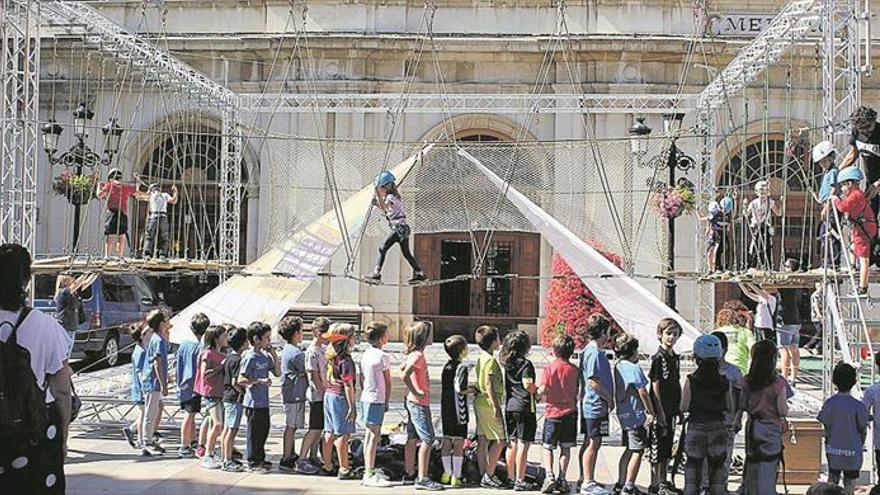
x: 68, y: 305
x: 865, y: 143
x: 788, y: 337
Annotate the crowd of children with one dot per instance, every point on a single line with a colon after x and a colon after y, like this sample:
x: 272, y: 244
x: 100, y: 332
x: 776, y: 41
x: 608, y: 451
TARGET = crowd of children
x: 226, y: 374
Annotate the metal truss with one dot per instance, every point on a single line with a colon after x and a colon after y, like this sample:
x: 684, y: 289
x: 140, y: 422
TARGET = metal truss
x: 127, y: 48
x: 231, y: 190
x: 469, y: 103
x: 19, y: 140
x: 841, y: 74
x: 795, y: 20
x: 704, y: 309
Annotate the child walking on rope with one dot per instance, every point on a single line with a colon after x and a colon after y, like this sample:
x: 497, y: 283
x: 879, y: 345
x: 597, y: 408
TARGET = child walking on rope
x: 388, y: 200
x: 854, y: 204
x: 760, y: 212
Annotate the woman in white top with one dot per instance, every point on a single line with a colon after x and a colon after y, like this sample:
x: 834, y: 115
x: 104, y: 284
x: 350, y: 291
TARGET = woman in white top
x: 33, y: 452
x: 765, y: 312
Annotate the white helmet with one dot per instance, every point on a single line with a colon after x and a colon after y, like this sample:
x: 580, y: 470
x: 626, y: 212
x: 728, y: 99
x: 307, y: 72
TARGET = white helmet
x: 822, y: 150
x: 714, y: 207
x: 761, y: 187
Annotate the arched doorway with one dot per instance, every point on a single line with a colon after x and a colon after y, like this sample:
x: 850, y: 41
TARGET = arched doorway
x: 190, y: 159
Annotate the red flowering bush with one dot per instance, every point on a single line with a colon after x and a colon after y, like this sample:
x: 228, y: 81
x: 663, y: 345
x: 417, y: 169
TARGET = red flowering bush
x: 569, y: 303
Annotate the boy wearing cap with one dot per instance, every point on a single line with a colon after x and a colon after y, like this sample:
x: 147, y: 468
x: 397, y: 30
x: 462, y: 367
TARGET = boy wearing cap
x: 156, y: 233
x: 116, y: 193
x: 854, y: 204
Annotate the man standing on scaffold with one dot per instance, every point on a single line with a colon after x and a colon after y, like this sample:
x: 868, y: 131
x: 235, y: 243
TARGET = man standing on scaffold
x: 156, y: 233
x: 116, y: 218
x: 865, y: 142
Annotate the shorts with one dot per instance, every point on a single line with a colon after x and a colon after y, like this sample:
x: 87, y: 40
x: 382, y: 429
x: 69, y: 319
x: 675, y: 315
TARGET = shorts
x: 595, y: 427
x: 635, y: 439
x: 419, y: 425
x: 295, y: 414
x: 335, y: 412
x: 193, y: 405
x: 214, y: 402
x: 232, y: 414
x: 451, y: 426
x: 521, y: 426
x: 488, y: 425
x: 316, y: 415
x: 847, y: 474
x: 560, y: 432
x: 788, y: 336
x: 662, y: 439
x: 115, y: 223
x: 372, y: 413
x: 706, y: 441
x: 861, y: 244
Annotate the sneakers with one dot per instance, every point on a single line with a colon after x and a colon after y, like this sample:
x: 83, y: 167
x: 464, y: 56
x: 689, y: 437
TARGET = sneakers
x: 491, y: 481
x: 209, y: 462
x: 667, y: 488
x: 257, y: 468
x: 418, y: 277
x: 146, y: 453
x: 185, y: 453
x: 445, y: 479
x: 428, y: 484
x: 232, y: 467
x: 549, y: 485
x: 303, y: 466
x: 409, y: 479
x: 631, y: 491
x: 593, y: 488
x: 454, y: 482
x: 346, y: 474
x: 129, y: 436
x: 373, y: 277
x: 376, y: 480
x: 287, y: 464
x: 562, y: 486
x: 524, y: 486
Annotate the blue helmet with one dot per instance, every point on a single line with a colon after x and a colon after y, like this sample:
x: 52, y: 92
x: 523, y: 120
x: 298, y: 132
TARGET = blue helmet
x: 707, y: 347
x: 850, y: 173
x: 727, y: 204
x: 384, y: 179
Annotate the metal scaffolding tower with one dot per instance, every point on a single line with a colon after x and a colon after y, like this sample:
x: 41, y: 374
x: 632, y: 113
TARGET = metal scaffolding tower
x: 19, y: 140
x: 841, y: 72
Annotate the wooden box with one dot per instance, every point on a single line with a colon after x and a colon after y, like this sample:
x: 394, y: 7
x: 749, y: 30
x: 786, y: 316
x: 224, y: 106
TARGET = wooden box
x: 803, y: 459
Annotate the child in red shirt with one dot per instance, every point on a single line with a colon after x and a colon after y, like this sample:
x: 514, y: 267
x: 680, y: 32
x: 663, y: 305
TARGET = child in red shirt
x: 855, y: 206
x: 559, y: 384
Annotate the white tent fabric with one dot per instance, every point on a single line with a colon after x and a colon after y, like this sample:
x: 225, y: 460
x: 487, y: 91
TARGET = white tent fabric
x: 269, y: 287
x: 633, y: 306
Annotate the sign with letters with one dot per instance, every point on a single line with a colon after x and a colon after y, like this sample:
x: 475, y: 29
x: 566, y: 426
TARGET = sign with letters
x: 742, y: 24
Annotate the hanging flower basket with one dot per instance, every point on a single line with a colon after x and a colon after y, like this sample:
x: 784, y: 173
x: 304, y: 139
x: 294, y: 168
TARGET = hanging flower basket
x: 672, y: 202
x: 78, y: 189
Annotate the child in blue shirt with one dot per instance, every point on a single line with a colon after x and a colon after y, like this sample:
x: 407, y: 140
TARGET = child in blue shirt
x: 137, y: 396
x: 154, y: 380
x: 597, y: 401
x: 824, y: 155
x: 254, y: 377
x: 190, y: 402
x: 846, y: 423
x: 634, y: 410
x: 871, y: 400
x: 293, y: 387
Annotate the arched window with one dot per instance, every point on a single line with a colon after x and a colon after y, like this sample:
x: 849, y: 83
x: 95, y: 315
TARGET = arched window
x: 765, y: 158
x: 190, y: 160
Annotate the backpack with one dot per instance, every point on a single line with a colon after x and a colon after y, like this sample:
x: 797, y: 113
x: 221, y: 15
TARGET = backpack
x: 23, y: 415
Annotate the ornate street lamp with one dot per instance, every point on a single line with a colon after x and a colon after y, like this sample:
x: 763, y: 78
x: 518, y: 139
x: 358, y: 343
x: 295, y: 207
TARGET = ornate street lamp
x: 80, y: 155
x: 638, y: 141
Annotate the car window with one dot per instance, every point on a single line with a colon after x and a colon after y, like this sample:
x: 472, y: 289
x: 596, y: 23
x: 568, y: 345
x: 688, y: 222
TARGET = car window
x: 44, y: 287
x: 143, y: 289
x: 115, y: 289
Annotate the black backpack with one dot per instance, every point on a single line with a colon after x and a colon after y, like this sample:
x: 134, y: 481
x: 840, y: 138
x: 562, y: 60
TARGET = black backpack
x: 23, y: 415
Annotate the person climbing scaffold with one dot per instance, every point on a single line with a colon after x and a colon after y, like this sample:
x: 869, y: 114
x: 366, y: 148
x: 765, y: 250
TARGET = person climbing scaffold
x: 760, y: 213
x: 117, y: 193
x: 156, y: 233
x: 854, y: 204
x: 825, y: 155
x: 865, y: 143
x: 716, y: 227
x: 388, y: 200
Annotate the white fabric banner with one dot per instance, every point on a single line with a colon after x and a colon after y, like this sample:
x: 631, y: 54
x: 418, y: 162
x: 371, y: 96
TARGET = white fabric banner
x: 269, y: 287
x: 633, y: 306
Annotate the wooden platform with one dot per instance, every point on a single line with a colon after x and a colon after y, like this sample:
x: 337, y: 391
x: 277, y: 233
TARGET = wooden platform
x: 83, y: 264
x: 768, y: 278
